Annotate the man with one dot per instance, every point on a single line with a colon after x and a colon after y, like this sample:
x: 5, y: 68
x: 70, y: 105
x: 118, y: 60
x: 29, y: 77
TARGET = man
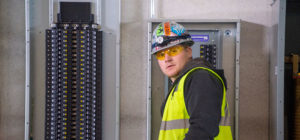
x: 196, y: 106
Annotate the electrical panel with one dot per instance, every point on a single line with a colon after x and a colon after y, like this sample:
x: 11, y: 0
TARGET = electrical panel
x: 73, y: 75
x: 208, y: 46
x: 217, y: 41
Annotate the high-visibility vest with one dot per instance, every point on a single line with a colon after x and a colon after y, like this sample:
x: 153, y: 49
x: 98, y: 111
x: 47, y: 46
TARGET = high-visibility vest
x: 175, y: 121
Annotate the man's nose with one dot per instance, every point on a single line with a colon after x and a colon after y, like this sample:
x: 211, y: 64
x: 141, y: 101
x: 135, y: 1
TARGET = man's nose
x: 167, y: 57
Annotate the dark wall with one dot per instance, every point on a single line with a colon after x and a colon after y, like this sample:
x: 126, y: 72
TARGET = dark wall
x: 292, y: 40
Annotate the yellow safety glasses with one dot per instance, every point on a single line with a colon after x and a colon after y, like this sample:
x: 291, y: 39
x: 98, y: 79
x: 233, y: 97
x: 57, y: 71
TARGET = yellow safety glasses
x: 173, y: 51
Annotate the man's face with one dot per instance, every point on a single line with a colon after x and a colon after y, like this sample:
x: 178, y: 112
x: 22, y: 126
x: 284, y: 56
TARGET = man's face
x: 172, y: 65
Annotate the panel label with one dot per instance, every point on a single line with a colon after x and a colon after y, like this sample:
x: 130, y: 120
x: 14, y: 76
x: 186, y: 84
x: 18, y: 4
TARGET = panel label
x: 200, y: 38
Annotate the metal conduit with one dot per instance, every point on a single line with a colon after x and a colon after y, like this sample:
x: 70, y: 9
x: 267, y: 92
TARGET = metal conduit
x: 149, y: 87
x: 118, y: 37
x: 149, y: 114
x: 27, y: 70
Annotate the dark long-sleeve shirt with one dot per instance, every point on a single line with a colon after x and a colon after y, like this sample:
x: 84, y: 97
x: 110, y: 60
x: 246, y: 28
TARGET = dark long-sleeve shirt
x: 203, y: 98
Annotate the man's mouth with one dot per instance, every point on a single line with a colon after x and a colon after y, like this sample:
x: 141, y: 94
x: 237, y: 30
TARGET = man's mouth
x: 170, y: 66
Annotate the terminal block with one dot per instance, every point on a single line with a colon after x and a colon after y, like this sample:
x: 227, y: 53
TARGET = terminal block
x: 73, y: 78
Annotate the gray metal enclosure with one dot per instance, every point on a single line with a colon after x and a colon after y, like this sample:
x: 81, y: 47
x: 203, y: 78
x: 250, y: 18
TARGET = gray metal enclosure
x: 277, y: 71
x: 228, y: 48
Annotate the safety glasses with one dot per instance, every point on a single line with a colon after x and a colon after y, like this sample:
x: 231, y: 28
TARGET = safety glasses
x: 173, y: 51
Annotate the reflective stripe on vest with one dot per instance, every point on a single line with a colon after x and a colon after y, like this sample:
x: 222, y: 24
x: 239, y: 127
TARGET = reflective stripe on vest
x: 175, y: 121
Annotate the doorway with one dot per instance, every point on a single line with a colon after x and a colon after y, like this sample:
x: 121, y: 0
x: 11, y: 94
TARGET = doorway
x: 291, y: 80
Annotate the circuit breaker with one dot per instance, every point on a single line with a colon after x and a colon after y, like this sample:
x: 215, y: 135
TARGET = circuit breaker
x: 207, y: 45
x: 208, y: 52
x: 73, y: 75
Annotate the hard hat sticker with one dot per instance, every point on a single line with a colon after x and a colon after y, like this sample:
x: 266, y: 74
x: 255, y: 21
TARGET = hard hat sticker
x: 160, y: 40
x: 159, y: 30
x: 177, y: 29
x: 157, y: 48
x: 167, y: 29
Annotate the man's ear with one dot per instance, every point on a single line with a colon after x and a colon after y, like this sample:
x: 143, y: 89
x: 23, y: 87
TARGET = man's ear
x: 189, y: 51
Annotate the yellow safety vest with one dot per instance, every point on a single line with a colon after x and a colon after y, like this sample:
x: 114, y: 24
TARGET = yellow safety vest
x: 175, y: 121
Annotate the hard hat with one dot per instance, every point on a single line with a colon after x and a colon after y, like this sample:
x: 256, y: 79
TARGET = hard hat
x: 168, y: 34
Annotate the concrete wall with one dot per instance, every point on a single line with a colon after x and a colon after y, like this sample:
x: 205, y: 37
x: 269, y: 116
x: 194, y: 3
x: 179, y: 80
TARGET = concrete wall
x: 254, y: 75
x: 133, y: 89
x: 12, y: 73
